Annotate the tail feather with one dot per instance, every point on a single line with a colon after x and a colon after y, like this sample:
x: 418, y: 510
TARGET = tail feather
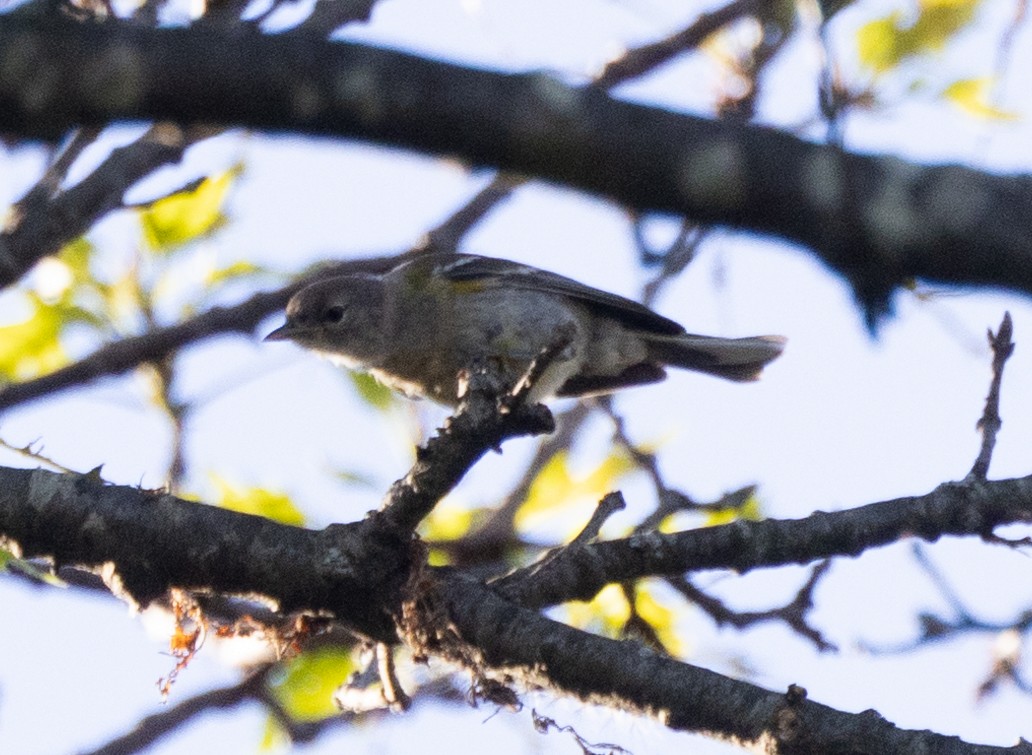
x: 739, y: 359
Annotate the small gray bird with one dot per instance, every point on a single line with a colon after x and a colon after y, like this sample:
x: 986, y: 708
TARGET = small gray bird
x: 418, y: 325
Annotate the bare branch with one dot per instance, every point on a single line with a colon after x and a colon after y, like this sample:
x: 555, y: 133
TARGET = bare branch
x: 43, y: 222
x: 351, y: 572
x: 950, y: 509
x: 152, y: 728
x: 393, y: 693
x: 646, y: 158
x: 990, y: 423
x: 481, y: 631
x: 486, y: 416
x: 609, y: 505
x: 793, y: 614
x: 640, y: 60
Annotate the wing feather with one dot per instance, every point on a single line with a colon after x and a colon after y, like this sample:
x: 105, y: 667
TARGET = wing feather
x: 491, y: 271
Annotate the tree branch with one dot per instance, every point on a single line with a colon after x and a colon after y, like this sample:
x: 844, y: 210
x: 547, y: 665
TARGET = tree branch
x: 147, y: 542
x: 990, y: 422
x: 492, y: 636
x: 44, y: 221
x: 877, y: 220
x: 964, y: 508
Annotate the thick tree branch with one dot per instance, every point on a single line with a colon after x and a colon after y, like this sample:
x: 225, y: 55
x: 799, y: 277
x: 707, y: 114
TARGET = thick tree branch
x: 147, y: 542
x: 875, y: 219
x: 966, y: 508
x: 492, y: 636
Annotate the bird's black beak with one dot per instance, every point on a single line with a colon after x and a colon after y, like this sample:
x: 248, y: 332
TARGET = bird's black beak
x: 283, y: 333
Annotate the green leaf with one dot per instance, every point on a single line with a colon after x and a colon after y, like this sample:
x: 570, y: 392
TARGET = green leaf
x: 33, y: 346
x: 170, y: 222
x: 305, y: 688
x: 655, y: 612
x: 749, y: 509
x: 879, y: 43
x: 372, y: 391
x: 886, y: 42
x: 259, y: 501
x: 556, y: 487
x: 8, y: 561
x: 231, y: 272
x: 972, y: 96
x: 605, y: 614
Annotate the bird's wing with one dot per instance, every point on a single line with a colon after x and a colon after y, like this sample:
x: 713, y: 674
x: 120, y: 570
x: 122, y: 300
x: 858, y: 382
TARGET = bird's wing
x: 491, y: 271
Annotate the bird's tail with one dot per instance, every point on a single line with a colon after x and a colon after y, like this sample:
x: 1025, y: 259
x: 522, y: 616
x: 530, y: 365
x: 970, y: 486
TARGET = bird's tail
x: 740, y: 359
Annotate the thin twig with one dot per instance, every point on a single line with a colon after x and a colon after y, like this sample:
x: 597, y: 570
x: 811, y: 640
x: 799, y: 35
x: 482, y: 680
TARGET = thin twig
x: 793, y: 614
x: 536, y: 370
x: 37, y: 455
x: 393, y: 693
x: 990, y: 422
x: 609, y: 505
x: 152, y: 728
x: 640, y: 60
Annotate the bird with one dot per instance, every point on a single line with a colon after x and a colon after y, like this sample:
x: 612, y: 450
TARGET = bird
x: 417, y: 326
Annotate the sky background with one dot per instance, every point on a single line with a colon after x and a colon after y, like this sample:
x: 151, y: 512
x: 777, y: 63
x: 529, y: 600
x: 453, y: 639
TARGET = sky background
x: 842, y: 419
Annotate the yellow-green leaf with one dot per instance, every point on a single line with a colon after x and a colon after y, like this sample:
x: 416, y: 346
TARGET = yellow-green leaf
x: 448, y: 521
x: 77, y: 255
x: 260, y: 501
x: 748, y: 510
x: 884, y: 43
x: 9, y: 561
x: 879, y: 43
x: 372, y: 391
x: 661, y: 618
x: 274, y: 737
x: 187, y: 215
x: 606, y: 613
x: 305, y: 688
x: 941, y: 20
x: 33, y: 346
x: 972, y: 96
x: 233, y: 271
x: 556, y: 488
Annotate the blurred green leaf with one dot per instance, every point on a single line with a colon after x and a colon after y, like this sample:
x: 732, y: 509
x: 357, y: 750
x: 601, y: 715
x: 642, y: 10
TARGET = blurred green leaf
x: 372, y: 391
x: 886, y: 42
x: 259, y: 501
x: 8, y: 561
x: 358, y: 479
x: 605, y: 614
x: 231, y: 272
x: 306, y: 687
x: 662, y: 618
x: 556, y: 487
x: 33, y: 346
x: 448, y: 521
x: 748, y: 510
x: 879, y: 43
x: 170, y: 222
x: 972, y: 96
x: 274, y: 736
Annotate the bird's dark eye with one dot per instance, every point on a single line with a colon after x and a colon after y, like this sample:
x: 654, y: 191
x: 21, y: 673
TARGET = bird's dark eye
x: 333, y: 314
